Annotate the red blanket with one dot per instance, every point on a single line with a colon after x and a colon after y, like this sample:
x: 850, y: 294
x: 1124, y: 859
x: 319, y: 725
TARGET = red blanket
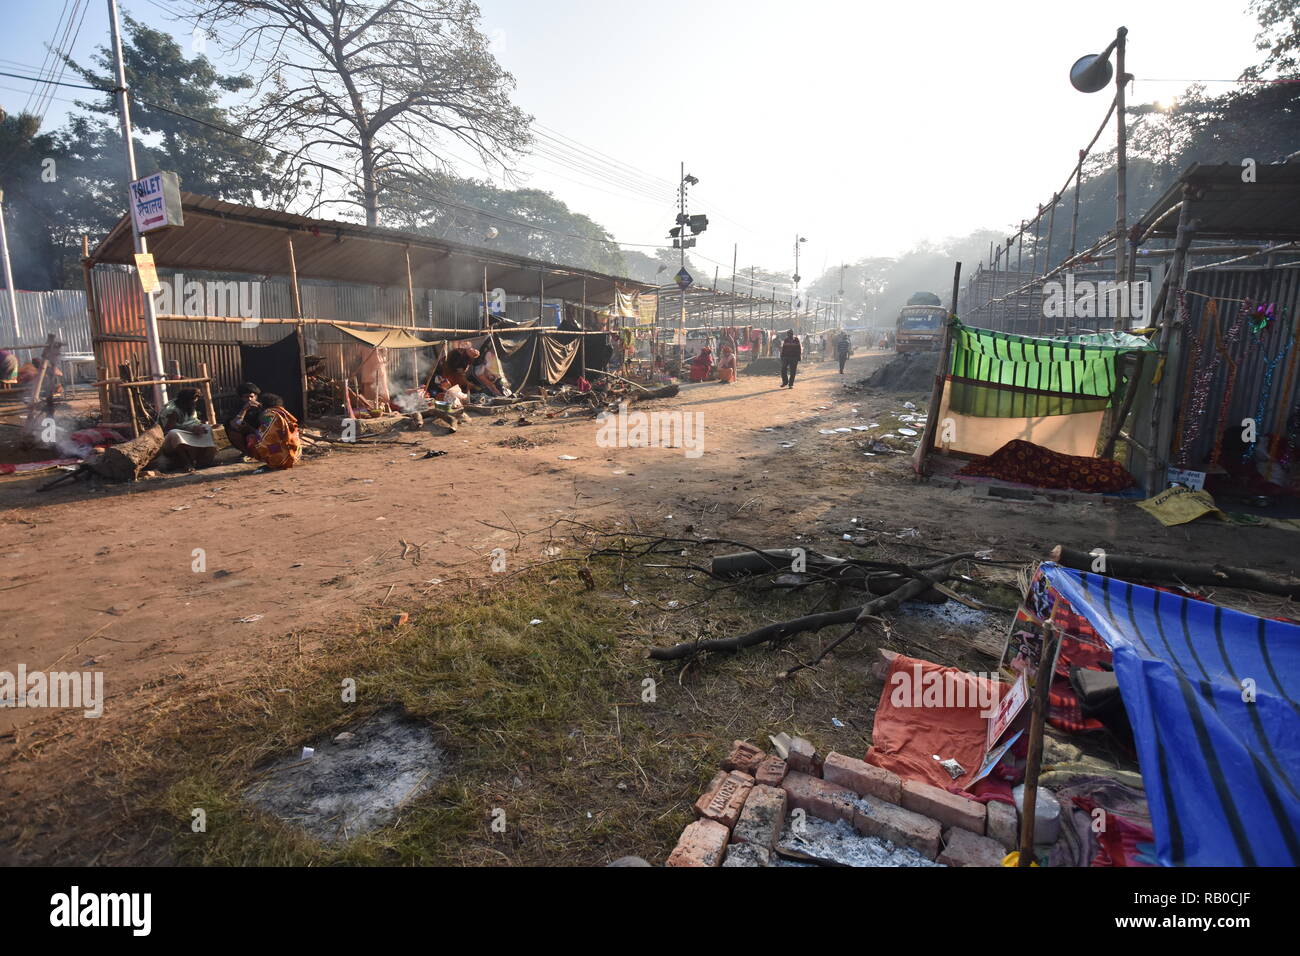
x: 1032, y: 464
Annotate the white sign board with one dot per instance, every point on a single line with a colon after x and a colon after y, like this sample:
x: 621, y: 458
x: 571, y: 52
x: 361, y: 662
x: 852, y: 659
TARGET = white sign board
x: 156, y: 202
x: 1195, y: 480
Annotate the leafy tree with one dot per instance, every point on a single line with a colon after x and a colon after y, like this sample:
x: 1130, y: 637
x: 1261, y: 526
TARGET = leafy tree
x: 1279, y: 37
x: 479, y: 213
x: 84, y: 191
x: 176, y: 111
x: 33, y: 196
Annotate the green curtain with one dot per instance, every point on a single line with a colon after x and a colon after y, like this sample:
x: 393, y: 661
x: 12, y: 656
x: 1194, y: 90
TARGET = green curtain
x: 996, y: 375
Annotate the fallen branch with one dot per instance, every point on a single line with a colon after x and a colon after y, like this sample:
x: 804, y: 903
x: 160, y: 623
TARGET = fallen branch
x: 871, y: 609
x: 812, y: 622
x: 1164, y: 571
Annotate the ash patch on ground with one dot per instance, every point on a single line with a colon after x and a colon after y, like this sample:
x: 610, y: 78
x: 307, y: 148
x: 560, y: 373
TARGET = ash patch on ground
x: 354, y: 782
x: 838, y: 844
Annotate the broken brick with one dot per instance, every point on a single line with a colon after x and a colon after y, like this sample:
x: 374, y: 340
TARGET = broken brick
x: 1002, y: 824
x: 702, y: 843
x: 948, y: 808
x: 744, y: 757
x: 771, y: 771
x: 963, y: 848
x: 899, y: 826
x: 862, y: 778
x: 802, y: 757
x: 814, y: 795
x: 762, y: 818
x: 724, y: 802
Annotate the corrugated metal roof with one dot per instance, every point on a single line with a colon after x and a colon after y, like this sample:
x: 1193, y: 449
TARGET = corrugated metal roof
x: 1228, y: 208
x: 221, y: 236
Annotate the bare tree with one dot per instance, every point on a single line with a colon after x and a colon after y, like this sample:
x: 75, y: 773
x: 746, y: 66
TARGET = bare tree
x: 373, y: 90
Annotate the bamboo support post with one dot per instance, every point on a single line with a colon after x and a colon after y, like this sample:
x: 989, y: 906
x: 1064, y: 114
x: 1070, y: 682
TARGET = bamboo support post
x: 207, y: 393
x: 1037, y: 720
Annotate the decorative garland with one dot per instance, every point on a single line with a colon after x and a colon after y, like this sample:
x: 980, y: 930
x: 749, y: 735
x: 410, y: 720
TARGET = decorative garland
x: 1226, y: 349
x: 1194, y: 389
x: 1263, y: 397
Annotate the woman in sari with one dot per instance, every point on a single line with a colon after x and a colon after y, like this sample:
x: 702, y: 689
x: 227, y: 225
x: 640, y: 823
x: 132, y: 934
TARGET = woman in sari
x: 276, y: 443
x: 187, y: 441
x: 727, y: 365
x: 702, y: 365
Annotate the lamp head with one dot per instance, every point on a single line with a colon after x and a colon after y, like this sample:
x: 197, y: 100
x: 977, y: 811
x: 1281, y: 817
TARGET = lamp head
x: 1091, y: 73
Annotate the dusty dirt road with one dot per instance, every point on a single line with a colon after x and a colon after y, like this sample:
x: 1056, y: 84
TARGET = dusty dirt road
x: 109, y: 581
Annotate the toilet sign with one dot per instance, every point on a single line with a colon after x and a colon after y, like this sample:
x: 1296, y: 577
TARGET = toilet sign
x: 156, y: 202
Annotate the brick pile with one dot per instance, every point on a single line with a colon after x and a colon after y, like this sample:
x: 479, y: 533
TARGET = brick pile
x: 741, y: 815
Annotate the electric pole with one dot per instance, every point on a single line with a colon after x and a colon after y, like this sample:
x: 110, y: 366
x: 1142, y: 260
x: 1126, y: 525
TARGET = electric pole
x: 153, y: 345
x: 9, y: 273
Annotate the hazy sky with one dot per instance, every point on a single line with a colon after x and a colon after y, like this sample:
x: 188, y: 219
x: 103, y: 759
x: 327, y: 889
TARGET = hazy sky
x: 864, y: 126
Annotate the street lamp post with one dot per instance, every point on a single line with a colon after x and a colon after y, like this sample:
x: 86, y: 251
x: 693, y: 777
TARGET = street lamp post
x: 1088, y: 75
x: 794, y: 302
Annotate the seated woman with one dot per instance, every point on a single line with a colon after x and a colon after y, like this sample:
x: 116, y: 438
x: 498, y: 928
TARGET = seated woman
x: 8, y: 368
x: 187, y: 441
x: 483, y: 372
x: 240, y: 428
x: 276, y: 443
x: 702, y: 365
x: 727, y: 365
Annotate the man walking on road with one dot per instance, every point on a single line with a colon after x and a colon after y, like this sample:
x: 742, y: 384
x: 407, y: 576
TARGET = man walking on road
x: 843, y: 349
x: 791, y: 353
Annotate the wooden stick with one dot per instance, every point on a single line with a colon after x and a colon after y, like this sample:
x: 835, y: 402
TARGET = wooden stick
x: 207, y: 393
x: 125, y: 372
x: 1038, y: 717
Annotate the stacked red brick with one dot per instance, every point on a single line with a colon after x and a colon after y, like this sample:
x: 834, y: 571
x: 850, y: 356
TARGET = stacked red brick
x: 745, y: 806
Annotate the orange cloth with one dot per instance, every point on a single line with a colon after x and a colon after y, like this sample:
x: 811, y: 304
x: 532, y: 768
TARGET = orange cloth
x: 727, y: 366
x: 277, y: 442
x: 910, y: 730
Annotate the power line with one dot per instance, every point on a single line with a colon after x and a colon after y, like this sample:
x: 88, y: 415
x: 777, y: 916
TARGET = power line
x: 49, y: 49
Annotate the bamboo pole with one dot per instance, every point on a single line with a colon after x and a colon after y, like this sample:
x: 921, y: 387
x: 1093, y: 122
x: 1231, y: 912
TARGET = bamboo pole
x: 206, y: 379
x: 127, y: 382
x: 124, y: 370
x: 344, y: 323
x: 936, y: 393
x: 1034, y: 763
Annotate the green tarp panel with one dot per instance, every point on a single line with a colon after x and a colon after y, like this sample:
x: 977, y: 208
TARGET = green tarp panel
x: 996, y: 375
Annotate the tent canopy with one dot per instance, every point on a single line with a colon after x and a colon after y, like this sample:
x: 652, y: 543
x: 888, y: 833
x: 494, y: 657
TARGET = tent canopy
x: 1221, y: 772
x: 1050, y: 391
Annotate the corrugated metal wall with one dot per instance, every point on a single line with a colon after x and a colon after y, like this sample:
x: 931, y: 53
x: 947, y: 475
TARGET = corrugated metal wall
x: 62, y: 312
x: 1253, y: 354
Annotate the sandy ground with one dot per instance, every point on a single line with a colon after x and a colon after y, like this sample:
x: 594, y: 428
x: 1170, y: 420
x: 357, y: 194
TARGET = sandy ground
x: 107, y: 580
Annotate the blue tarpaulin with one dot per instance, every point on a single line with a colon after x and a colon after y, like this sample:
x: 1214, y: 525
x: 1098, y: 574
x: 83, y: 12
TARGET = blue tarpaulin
x: 1212, y: 697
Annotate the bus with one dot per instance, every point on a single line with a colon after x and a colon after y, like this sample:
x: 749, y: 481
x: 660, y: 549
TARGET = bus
x: 920, y: 324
